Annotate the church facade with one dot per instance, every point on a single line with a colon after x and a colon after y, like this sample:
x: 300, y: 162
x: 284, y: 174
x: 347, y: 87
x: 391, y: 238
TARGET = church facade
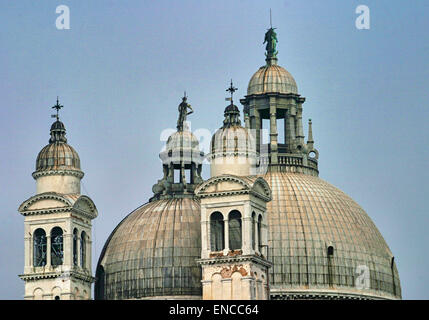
x: 263, y: 226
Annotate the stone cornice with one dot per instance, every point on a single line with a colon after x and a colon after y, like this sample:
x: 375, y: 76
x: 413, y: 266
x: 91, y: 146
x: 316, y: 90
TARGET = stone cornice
x: 339, y: 294
x: 40, y: 173
x: 221, y: 154
x: 57, y: 274
x: 235, y: 259
x: 45, y: 211
x: 273, y: 94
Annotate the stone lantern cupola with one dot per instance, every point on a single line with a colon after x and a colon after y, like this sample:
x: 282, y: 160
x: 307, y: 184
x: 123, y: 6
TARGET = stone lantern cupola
x: 272, y: 94
x: 181, y: 160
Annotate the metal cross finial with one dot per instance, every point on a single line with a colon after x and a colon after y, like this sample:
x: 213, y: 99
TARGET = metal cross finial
x: 57, y: 107
x: 231, y: 89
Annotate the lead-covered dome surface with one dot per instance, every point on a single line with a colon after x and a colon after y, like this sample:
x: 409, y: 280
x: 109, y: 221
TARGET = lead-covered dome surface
x: 152, y: 253
x: 182, y: 140
x: 233, y: 140
x: 272, y: 78
x: 307, y: 216
x: 57, y: 156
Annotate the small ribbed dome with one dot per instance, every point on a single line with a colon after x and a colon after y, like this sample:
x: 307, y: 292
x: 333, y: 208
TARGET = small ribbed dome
x: 182, y: 140
x: 234, y: 139
x: 153, y: 253
x: 272, y: 78
x: 57, y: 156
x: 58, y: 125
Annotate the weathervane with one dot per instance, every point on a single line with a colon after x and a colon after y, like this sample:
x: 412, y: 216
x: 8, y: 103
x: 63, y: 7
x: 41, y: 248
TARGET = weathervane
x: 57, y: 107
x: 231, y: 89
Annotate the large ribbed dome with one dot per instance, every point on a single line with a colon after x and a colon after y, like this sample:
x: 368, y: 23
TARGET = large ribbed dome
x: 307, y: 216
x: 152, y: 253
x: 272, y: 78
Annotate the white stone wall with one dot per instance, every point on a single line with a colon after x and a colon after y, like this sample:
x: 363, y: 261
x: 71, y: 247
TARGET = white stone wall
x: 236, y: 165
x: 65, y: 184
x: 237, y: 281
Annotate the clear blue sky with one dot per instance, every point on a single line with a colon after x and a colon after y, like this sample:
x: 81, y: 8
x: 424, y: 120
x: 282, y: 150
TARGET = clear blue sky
x: 121, y: 70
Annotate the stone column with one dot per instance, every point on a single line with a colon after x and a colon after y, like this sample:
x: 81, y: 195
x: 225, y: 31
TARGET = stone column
x: 264, y: 236
x: 182, y: 174
x: 207, y: 289
x: 290, y: 127
x: 256, y: 234
x: 48, y: 250
x: 226, y: 229
x: 259, y: 289
x: 205, y: 236
x: 258, y: 127
x: 28, y: 263
x: 299, y: 128
x: 78, y: 249
x: 68, y: 244
x: 273, y: 132
x: 88, y: 252
x: 170, y: 177
x: 247, y: 288
x: 246, y: 233
x: 226, y: 289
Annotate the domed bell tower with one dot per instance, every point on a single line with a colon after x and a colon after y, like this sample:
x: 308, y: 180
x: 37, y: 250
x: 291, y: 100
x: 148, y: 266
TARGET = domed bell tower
x: 58, y: 235
x: 234, y: 234
x: 272, y: 94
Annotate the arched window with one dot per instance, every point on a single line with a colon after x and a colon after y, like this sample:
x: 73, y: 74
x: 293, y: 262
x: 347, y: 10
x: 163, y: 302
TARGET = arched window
x: 260, y: 233
x: 57, y: 249
x: 83, y: 249
x: 217, y: 241
x: 253, y: 231
x: 330, y: 265
x: 75, y: 247
x: 39, y: 248
x: 234, y: 230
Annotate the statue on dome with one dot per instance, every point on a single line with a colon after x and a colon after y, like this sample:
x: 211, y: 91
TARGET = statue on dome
x: 183, y: 113
x: 271, y: 40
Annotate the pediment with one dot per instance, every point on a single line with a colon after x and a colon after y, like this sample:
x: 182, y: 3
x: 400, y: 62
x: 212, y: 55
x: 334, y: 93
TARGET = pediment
x: 231, y: 184
x: 223, y: 183
x: 222, y: 186
x: 86, y: 205
x: 262, y: 187
x: 45, y: 201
